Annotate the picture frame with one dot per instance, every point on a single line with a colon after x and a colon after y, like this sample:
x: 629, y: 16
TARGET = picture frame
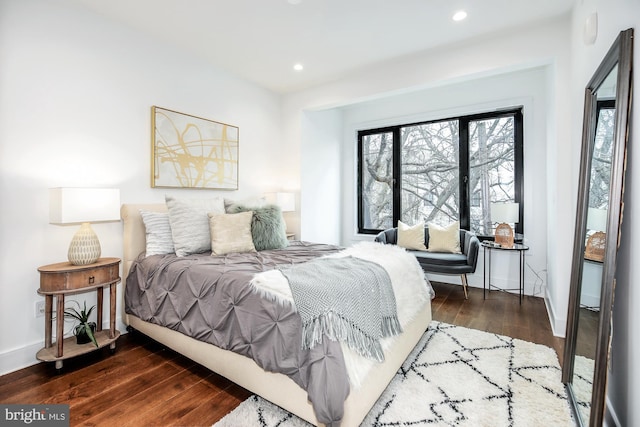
x: 192, y: 152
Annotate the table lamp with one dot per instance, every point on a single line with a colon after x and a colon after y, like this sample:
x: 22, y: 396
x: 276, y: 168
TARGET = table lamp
x: 595, y: 246
x: 83, y: 206
x: 505, y: 214
x: 285, y: 201
x: 596, y: 219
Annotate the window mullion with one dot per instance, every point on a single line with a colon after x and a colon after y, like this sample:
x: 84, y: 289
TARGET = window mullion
x: 397, y: 174
x: 463, y: 159
x: 519, y: 168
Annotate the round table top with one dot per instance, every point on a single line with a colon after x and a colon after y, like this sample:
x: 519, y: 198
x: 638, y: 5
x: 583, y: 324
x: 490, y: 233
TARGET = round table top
x: 516, y: 246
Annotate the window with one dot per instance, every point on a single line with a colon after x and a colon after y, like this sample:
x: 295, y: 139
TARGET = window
x: 602, y: 154
x: 440, y: 171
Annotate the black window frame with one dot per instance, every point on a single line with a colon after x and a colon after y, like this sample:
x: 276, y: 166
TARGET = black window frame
x: 463, y: 162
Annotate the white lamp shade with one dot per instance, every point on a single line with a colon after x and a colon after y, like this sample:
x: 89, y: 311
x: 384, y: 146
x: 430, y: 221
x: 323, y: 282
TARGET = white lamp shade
x: 505, y: 212
x: 78, y: 205
x: 286, y: 201
x: 597, y: 219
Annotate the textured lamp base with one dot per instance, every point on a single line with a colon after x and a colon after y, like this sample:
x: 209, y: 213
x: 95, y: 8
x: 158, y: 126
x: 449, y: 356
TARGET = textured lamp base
x: 504, y: 235
x: 85, y: 246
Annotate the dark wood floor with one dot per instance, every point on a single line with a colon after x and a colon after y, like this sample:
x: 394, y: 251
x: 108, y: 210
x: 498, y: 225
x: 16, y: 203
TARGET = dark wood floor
x: 145, y: 384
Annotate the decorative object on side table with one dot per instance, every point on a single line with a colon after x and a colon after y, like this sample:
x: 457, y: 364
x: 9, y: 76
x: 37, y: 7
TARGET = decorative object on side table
x: 594, y: 250
x: 84, y: 331
x: 83, y: 206
x: 505, y: 214
x: 64, y: 278
x: 596, y: 221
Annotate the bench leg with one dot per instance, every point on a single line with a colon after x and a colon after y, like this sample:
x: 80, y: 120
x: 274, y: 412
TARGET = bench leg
x: 464, y: 285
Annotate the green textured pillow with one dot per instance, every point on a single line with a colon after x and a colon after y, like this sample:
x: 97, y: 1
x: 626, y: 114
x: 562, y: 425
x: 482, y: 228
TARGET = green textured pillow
x: 268, y: 228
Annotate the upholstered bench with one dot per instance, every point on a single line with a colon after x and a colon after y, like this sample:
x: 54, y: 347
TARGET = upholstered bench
x: 441, y: 262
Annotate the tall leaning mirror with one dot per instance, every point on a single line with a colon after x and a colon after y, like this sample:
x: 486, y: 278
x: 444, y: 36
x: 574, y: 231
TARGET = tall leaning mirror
x: 597, y: 233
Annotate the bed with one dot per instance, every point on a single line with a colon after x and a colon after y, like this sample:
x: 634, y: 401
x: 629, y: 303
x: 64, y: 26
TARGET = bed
x: 278, y: 388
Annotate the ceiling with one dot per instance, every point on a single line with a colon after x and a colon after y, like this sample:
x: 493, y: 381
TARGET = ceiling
x: 261, y: 40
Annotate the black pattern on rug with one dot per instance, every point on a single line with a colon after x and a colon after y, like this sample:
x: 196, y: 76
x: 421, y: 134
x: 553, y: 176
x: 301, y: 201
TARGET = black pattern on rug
x: 455, y: 376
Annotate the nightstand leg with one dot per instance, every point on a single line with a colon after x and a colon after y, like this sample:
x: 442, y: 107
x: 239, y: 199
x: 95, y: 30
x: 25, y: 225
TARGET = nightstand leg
x: 48, y: 320
x: 112, y: 312
x: 100, y: 299
x: 521, y: 275
x: 59, y: 326
x: 484, y: 271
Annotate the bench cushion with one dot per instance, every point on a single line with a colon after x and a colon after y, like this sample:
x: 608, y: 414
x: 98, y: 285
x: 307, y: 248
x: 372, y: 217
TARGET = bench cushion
x: 443, y: 263
x: 440, y: 258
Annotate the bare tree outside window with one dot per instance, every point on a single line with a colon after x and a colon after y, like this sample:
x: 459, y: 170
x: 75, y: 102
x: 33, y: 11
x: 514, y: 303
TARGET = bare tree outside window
x: 377, y: 182
x: 492, y: 174
x: 430, y: 173
x: 602, y: 153
x: 436, y: 161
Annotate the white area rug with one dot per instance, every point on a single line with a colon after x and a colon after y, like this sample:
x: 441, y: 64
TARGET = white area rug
x: 455, y: 376
x: 583, y: 370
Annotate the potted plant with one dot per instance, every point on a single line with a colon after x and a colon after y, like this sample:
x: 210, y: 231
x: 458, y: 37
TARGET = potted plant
x: 85, y: 330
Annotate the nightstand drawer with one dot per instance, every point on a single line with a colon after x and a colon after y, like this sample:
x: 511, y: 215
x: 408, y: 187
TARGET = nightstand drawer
x: 66, y: 277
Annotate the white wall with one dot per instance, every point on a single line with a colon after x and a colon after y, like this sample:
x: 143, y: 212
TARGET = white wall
x: 322, y: 174
x: 76, y: 92
x: 455, y: 67
x: 624, y: 380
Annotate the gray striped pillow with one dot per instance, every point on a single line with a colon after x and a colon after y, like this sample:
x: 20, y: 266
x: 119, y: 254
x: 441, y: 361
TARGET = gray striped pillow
x: 158, y: 232
x: 190, y: 223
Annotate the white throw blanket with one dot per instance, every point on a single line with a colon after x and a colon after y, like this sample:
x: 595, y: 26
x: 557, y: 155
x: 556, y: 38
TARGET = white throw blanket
x: 407, y: 279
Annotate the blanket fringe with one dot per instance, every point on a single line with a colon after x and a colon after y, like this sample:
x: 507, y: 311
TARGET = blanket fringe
x: 336, y: 328
x: 391, y: 326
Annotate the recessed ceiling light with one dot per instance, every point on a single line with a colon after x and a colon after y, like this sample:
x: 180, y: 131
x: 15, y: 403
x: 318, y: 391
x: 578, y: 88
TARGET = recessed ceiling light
x: 298, y: 67
x: 459, y: 15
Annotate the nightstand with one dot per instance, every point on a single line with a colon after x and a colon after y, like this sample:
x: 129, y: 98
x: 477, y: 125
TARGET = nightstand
x: 291, y: 236
x: 64, y: 278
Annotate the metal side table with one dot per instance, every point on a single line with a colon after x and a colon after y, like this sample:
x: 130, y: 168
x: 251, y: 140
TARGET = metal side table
x: 489, y: 247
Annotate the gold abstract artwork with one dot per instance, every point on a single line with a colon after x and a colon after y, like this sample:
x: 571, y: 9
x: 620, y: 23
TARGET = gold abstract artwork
x: 192, y: 152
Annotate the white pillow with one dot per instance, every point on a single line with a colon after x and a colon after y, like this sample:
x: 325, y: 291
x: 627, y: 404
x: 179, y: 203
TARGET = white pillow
x: 158, y: 233
x: 231, y: 233
x: 411, y: 236
x: 444, y: 239
x: 190, y: 223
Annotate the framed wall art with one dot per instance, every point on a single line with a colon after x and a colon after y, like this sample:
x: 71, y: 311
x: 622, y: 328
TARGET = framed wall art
x: 192, y: 152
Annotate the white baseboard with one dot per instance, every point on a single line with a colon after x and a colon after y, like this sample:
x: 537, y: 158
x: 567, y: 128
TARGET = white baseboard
x: 19, y: 358
x: 610, y: 416
x: 558, y: 326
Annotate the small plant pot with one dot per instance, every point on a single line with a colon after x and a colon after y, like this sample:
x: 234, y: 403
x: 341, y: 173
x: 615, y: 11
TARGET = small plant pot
x: 81, y: 335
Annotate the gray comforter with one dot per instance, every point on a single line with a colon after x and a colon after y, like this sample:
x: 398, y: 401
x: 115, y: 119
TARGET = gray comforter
x: 209, y: 298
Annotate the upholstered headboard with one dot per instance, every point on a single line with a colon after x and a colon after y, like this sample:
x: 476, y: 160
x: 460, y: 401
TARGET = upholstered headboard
x: 133, y: 238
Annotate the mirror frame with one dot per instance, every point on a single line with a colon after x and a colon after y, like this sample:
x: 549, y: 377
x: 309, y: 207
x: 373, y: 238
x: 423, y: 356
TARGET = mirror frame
x: 620, y: 54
